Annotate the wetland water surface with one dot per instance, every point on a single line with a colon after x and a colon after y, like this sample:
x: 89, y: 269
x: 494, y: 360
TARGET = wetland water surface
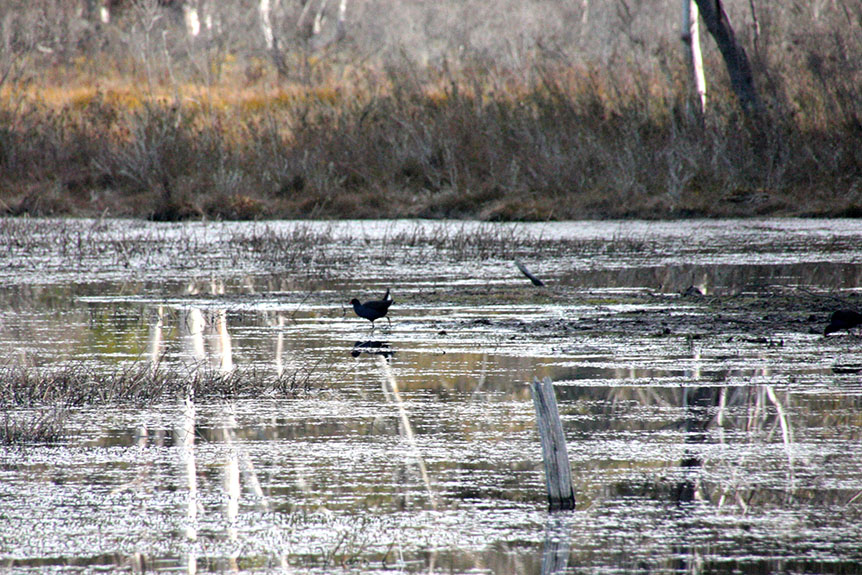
x: 709, y: 430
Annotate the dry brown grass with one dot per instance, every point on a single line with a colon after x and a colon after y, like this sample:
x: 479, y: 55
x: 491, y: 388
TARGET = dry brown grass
x: 550, y: 141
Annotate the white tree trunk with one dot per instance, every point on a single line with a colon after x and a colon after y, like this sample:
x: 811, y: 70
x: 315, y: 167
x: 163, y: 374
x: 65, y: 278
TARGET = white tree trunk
x: 192, y: 19
x: 691, y: 38
x: 735, y: 58
x: 264, y: 9
x: 305, y: 8
x: 97, y: 9
x: 340, y: 27
x: 319, y: 19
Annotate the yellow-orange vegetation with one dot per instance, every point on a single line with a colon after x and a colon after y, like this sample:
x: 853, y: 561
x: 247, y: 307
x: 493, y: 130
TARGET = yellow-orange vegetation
x: 481, y: 140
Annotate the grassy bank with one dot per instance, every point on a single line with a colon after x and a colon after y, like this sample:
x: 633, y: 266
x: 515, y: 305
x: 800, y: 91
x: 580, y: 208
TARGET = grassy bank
x: 548, y: 140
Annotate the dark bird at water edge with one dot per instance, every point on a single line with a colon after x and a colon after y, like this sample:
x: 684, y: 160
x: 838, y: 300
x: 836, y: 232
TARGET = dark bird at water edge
x: 843, y: 319
x: 374, y: 309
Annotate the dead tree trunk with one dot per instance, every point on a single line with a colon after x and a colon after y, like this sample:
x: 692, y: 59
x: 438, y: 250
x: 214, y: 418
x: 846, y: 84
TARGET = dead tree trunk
x: 192, y: 19
x: 96, y: 11
x: 558, y: 470
x: 319, y: 19
x: 691, y: 39
x: 738, y: 67
x: 341, y: 25
x: 264, y: 10
x: 317, y: 36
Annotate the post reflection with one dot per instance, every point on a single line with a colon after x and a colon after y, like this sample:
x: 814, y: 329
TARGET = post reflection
x: 393, y: 396
x: 186, y: 441
x: 558, y: 540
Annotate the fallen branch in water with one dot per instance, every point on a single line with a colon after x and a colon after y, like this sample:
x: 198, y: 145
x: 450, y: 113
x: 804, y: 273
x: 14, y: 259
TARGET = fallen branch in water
x: 536, y: 281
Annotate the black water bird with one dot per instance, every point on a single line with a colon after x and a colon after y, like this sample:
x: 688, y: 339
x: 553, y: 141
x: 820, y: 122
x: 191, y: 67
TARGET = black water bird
x: 374, y: 309
x: 843, y: 319
x: 692, y: 291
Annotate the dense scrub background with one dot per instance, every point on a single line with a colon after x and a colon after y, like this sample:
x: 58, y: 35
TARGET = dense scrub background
x: 495, y: 110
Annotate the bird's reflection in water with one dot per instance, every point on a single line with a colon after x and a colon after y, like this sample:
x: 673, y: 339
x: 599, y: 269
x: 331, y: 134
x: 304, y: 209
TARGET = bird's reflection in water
x: 371, y: 347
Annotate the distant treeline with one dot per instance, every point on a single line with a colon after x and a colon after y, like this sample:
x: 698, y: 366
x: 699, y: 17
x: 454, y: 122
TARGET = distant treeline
x: 468, y: 109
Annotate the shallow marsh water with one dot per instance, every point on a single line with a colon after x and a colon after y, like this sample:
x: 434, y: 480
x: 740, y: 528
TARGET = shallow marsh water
x: 707, y: 433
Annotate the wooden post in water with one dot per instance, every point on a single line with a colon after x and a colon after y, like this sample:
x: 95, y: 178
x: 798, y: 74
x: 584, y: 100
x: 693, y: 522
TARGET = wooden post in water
x: 558, y: 472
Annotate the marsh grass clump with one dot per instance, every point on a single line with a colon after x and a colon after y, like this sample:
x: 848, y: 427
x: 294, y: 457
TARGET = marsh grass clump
x: 37, y: 402
x: 43, y: 425
x: 299, y: 245
x: 483, y: 241
x: 78, y: 385
x: 319, y: 249
x: 464, y: 242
